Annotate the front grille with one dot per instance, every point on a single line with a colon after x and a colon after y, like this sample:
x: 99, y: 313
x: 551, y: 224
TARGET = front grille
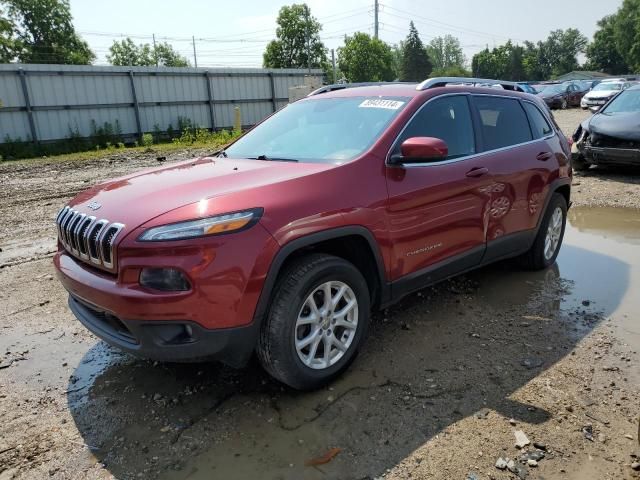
x: 87, y: 237
x: 605, y: 141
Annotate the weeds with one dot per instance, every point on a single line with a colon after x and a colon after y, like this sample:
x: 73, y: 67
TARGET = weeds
x: 108, y: 136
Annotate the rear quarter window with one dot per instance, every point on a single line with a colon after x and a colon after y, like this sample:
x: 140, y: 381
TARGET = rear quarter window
x: 539, y: 125
x: 503, y: 122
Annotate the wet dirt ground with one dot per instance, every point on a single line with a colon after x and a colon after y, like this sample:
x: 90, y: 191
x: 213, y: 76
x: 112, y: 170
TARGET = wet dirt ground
x: 444, y: 380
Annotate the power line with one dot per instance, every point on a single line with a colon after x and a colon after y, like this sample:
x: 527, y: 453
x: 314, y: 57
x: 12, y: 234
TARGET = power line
x: 449, y: 25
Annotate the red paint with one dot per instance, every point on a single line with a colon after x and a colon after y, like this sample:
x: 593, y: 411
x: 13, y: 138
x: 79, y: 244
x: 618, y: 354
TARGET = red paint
x: 405, y: 208
x: 424, y: 148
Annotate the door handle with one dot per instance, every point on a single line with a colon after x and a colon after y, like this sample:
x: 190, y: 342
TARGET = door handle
x: 477, y: 172
x: 544, y: 156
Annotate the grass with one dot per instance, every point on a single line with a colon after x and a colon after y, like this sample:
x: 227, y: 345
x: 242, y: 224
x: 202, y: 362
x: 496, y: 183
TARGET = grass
x: 190, y: 138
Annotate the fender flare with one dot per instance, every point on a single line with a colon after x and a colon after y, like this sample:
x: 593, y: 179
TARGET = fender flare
x: 302, y: 242
x: 553, y: 188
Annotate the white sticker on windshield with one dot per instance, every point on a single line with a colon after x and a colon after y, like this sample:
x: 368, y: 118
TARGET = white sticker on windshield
x: 380, y: 103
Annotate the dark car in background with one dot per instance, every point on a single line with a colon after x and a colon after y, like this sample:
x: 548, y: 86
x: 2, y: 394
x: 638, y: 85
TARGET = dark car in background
x: 560, y: 95
x: 612, y: 135
x: 527, y: 88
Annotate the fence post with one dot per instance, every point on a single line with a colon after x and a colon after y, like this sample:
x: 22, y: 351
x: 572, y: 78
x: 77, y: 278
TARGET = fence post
x: 27, y: 103
x: 210, y: 97
x: 136, y: 106
x: 274, y: 103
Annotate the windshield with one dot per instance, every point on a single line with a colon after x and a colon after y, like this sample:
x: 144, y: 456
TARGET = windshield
x: 608, y: 86
x: 323, y: 130
x: 627, y: 101
x: 555, y: 89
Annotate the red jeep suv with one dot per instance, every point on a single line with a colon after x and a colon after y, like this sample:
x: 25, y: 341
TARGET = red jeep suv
x: 337, y: 204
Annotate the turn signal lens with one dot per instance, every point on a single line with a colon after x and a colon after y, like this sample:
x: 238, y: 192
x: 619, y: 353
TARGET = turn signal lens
x: 220, y: 224
x: 165, y: 279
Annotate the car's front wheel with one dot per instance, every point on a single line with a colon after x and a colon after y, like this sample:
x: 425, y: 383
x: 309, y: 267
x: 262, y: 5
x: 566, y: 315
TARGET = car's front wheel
x: 317, y: 322
x: 549, y: 238
x: 564, y: 104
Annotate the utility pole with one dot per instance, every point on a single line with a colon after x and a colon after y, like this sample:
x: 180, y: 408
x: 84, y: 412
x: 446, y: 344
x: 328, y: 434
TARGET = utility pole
x: 333, y: 62
x: 195, y: 56
x: 376, y: 7
x: 155, y: 52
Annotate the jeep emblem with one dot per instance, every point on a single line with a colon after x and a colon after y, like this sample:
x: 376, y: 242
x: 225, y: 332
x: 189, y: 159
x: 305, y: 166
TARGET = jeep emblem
x: 94, y: 205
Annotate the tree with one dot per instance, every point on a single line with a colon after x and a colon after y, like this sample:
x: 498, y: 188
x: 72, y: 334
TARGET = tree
x: 561, y: 49
x: 626, y: 32
x: 297, y: 43
x: 8, y: 42
x: 45, y: 34
x: 445, y: 52
x: 415, y: 65
x: 127, y: 53
x: 366, y: 59
x: 603, y: 53
x: 504, y: 62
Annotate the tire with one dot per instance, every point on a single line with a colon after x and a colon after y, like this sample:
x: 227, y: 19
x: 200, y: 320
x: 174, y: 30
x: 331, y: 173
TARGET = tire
x: 296, y: 291
x: 538, y: 257
x: 564, y: 104
x: 579, y: 164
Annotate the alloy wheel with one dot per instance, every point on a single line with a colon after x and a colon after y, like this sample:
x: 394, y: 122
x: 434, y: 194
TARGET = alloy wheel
x: 326, y: 325
x: 554, y: 230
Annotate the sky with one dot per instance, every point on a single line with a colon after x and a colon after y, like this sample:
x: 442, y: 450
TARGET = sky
x: 235, y: 33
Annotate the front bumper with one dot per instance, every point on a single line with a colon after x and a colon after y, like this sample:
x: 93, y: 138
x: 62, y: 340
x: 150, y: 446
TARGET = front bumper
x: 611, y: 156
x: 593, y: 102
x: 175, y: 341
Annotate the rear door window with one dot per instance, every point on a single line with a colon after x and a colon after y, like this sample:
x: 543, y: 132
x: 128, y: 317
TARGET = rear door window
x: 503, y: 122
x: 539, y: 124
x: 447, y: 118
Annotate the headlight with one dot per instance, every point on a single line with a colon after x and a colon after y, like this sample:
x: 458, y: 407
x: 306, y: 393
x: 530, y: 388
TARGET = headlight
x: 220, y: 224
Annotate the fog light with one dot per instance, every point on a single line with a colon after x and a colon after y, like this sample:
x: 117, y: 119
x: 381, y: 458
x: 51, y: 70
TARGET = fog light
x: 165, y: 279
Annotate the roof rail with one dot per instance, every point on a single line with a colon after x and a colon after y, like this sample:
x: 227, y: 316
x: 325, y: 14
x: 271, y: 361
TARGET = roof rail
x: 340, y: 86
x: 476, y: 82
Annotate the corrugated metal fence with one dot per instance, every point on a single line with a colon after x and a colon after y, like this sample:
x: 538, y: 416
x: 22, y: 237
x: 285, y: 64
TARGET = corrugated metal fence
x: 48, y: 102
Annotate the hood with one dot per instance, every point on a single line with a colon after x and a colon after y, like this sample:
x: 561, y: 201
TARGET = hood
x: 140, y: 197
x: 600, y: 93
x: 547, y: 94
x: 625, y: 126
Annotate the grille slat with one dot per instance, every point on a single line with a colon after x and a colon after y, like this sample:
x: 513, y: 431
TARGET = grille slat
x: 88, y: 238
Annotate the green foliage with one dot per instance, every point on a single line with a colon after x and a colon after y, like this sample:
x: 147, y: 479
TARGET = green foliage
x: 415, y: 64
x: 627, y: 33
x: 147, y: 140
x: 297, y: 43
x: 561, y: 49
x: 43, y: 32
x: 127, y: 53
x: 8, y: 42
x: 454, y: 71
x: 445, y: 53
x: 603, y: 53
x: 366, y: 59
x: 553, y: 57
x: 503, y: 62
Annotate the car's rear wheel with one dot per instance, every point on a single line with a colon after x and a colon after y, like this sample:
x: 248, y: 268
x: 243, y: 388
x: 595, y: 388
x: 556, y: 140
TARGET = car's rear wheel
x: 564, y: 104
x: 317, y: 321
x: 547, y: 244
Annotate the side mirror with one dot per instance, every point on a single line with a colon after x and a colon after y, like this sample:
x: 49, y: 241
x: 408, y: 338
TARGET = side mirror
x: 421, y: 149
x: 594, y: 109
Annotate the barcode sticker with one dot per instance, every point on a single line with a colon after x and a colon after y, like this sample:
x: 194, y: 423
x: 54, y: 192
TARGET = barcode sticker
x: 380, y: 103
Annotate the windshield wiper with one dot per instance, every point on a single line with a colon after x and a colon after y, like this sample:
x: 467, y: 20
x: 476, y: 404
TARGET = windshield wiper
x: 272, y: 159
x: 222, y: 153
